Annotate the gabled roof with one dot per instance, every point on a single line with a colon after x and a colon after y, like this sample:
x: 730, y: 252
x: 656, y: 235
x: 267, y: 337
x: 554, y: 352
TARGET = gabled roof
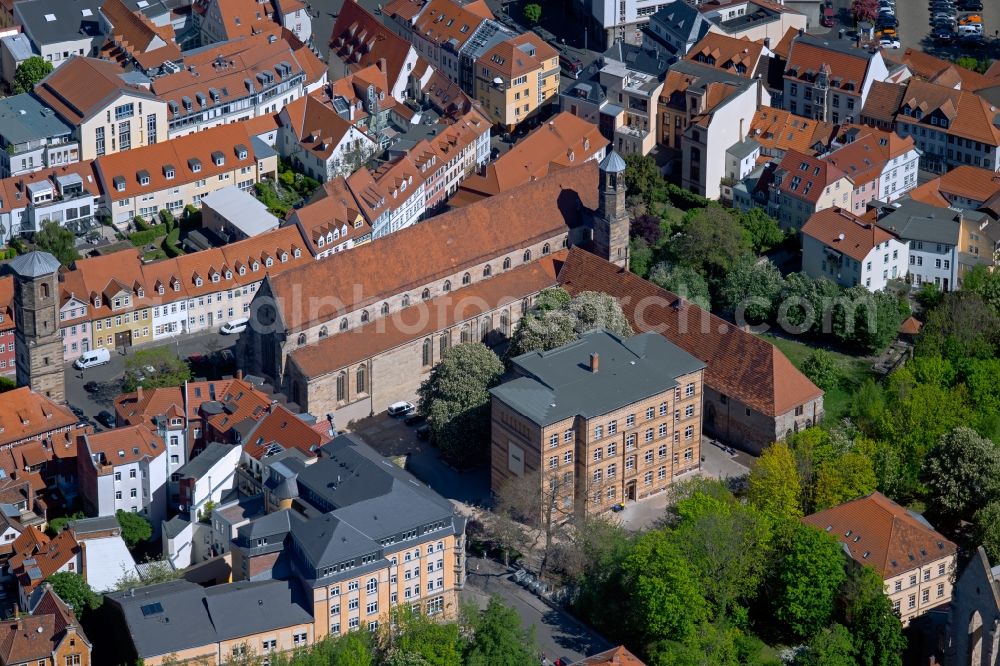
x: 25, y: 414
x: 805, y: 177
x: 865, y: 157
x: 81, y: 87
x: 446, y: 22
x: 942, y: 72
x: 915, y: 221
x: 847, y: 67
x: 881, y: 534
x: 242, y: 18
x: 335, y: 209
x: 134, y: 35
x: 968, y: 115
x: 970, y: 182
x: 681, y: 19
x: 441, y: 246
x: 846, y: 233
x: 356, y: 33
x: 739, y: 364
x: 318, y: 128
x: 282, y: 428
x: 728, y: 53
x: 777, y: 130
x: 518, y: 55
x: 618, y: 656
x: 883, y: 101
x: 37, y: 636
x: 123, y: 446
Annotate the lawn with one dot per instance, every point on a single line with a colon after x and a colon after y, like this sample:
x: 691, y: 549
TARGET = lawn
x: 856, y: 371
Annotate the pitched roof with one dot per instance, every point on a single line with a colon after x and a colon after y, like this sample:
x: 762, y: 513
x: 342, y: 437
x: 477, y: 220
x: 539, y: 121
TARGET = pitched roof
x: 969, y: 116
x: 559, y: 142
x: 286, y: 430
x: 446, y: 22
x: 134, y: 35
x: 123, y: 446
x: 883, y: 101
x: 778, y: 130
x: 728, y: 53
x: 25, y: 414
x: 518, y: 55
x: 343, y: 349
x: 355, y: 35
x: 318, y: 128
x: 880, y: 533
x: 739, y: 364
x: 929, y: 194
x: 847, y: 233
x: 846, y: 66
x: 618, y: 656
x: 241, y: 403
x: 32, y: 567
x: 864, y: 158
x: 970, y: 182
x: 36, y: 636
x: 333, y: 209
x: 805, y: 177
x: 936, y: 70
x: 83, y: 86
x: 242, y: 18
x: 441, y: 246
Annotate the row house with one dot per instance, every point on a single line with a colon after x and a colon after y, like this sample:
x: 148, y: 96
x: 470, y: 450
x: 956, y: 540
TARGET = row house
x: 778, y: 131
x: 517, y: 80
x: 950, y: 127
x: 332, y: 222
x: 124, y: 469
x: 33, y: 137
x: 248, y: 78
x: 402, y: 185
x: 110, y: 110
x: 456, y: 152
x: 353, y: 41
x: 294, y: 16
x: 66, y: 195
x: 735, y: 55
x: 881, y: 165
x: 180, y: 172
x: 829, y: 80
x: 226, y: 20
x: 850, y: 251
x: 320, y: 141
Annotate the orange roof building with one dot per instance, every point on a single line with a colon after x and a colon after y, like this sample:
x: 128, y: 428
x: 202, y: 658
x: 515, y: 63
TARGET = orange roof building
x: 851, y: 251
x: 618, y: 656
x: 50, y: 634
x: 916, y: 562
x: 778, y: 131
x: 738, y: 56
x: 321, y: 140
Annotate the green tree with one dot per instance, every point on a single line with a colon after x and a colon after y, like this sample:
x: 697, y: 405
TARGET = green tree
x: 963, y: 326
x: 455, y: 399
x: 750, y: 290
x: 846, y: 477
x: 985, y: 284
x: 774, y: 486
x: 666, y: 599
x: 642, y: 176
x: 157, y: 367
x: 353, y: 649
x: 962, y: 473
x: 533, y: 13
x: 711, y: 241
x: 805, y: 303
x: 684, y: 281
x: 830, y: 647
x: 29, y: 73
x: 57, y: 525
x: 498, y: 639
x: 74, y: 590
x: 153, y: 572
x: 58, y: 241
x: 640, y: 257
x: 541, y: 330
x: 987, y: 529
x: 135, y: 528
x: 761, y: 230
x: 809, y: 575
x: 869, y: 321
x: 823, y: 369
x: 875, y: 626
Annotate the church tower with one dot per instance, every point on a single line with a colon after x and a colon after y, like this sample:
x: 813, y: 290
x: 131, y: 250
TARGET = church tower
x: 37, y: 343
x: 611, y: 225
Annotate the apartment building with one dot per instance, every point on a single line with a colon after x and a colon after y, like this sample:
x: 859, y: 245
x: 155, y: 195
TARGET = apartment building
x: 33, y: 137
x: 26, y: 416
x: 348, y: 545
x: 225, y: 20
x: 740, y: 56
x: 916, y: 563
x: 363, y: 98
x: 638, y: 94
x: 135, y: 40
x: 179, y: 172
x: 601, y: 420
x: 294, y: 17
x: 517, y: 79
x: 315, y: 137
x: 66, y: 195
x: 48, y: 635
x: 965, y: 187
x: 332, y: 222
x: 247, y: 78
x: 58, y: 32
x: 881, y: 165
x: 777, y: 131
x: 804, y: 185
x: 951, y: 127
x: 849, y: 250
x: 829, y: 79
x: 7, y: 362
x: 124, y: 469
x: 111, y: 110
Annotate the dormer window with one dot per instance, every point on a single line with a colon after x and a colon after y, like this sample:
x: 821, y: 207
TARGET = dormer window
x: 321, y: 242
x: 119, y: 183
x: 243, y: 270
x: 241, y: 152
x: 218, y: 158
x: 215, y: 277
x: 143, y: 177
x: 168, y: 172
x: 297, y: 253
x: 160, y: 290
x: 194, y: 164
x: 140, y: 292
x: 284, y: 257
x: 229, y: 274
x: 198, y: 282
x: 269, y: 262
x: 177, y: 285
x: 255, y: 267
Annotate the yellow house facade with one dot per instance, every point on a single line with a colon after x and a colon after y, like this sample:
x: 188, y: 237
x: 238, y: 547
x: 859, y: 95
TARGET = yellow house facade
x: 516, y: 79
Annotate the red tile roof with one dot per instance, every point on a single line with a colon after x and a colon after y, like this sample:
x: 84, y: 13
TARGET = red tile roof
x: 883, y: 101
x: 282, y: 427
x: 728, y: 53
x: 864, y: 158
x: 739, y: 364
x: 123, y: 446
x: 881, y: 534
x: 37, y: 636
x: 518, y: 55
x: 846, y: 71
x: 25, y: 414
x: 446, y: 22
x: 619, y: 656
x: 936, y: 70
x: 778, y: 131
x: 357, y: 33
x: 806, y: 177
x: 42, y: 558
x: 969, y: 116
x: 82, y: 86
x: 970, y: 182
x: 840, y: 230
x: 318, y: 128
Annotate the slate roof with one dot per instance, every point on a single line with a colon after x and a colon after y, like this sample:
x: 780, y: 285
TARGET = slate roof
x: 559, y: 383
x: 23, y: 118
x: 914, y: 220
x: 34, y: 264
x: 199, y: 466
x: 682, y: 19
x: 881, y: 534
x: 74, y: 20
x: 739, y: 364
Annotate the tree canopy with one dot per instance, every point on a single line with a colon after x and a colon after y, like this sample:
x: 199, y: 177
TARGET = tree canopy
x: 135, y: 528
x: 30, y: 72
x: 962, y: 473
x: 57, y: 241
x: 154, y: 368
x: 774, y: 486
x: 74, y: 590
x: 498, y: 639
x: 809, y: 575
x: 561, y: 321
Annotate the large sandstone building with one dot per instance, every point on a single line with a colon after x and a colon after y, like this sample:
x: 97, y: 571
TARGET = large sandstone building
x: 349, y: 336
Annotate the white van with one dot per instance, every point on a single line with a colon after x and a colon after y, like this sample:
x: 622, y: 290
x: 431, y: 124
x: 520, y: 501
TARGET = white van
x: 92, y: 359
x: 234, y: 326
x: 970, y: 29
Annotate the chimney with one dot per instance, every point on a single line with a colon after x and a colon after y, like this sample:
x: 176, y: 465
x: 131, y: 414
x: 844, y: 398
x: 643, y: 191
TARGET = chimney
x: 138, y: 393
x: 595, y: 362
x: 239, y: 374
x: 381, y: 65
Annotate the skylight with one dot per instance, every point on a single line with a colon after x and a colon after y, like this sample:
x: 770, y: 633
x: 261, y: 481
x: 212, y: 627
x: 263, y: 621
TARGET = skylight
x: 151, y: 609
x: 50, y: 17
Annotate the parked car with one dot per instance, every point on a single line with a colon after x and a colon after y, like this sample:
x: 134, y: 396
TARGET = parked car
x: 106, y: 418
x: 971, y: 19
x: 414, y: 419
x: 92, y: 359
x: 886, y: 22
x: 91, y: 387
x: 888, y: 43
x: 828, y: 15
x: 235, y: 326
x: 401, y: 408
x: 970, y: 5
x: 77, y: 412
x: 943, y: 35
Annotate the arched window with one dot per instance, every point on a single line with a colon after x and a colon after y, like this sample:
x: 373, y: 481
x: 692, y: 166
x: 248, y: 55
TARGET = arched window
x: 385, y: 309
x: 466, y: 279
x: 372, y: 586
x: 361, y: 379
x: 545, y: 249
x: 427, y: 353
x: 302, y: 338
x: 505, y: 323
x: 524, y: 306
x: 527, y: 256
x: 364, y: 316
x: 443, y: 345
x: 484, y: 329
x: 447, y: 285
x: 342, y: 386
x: 406, y: 300
x: 466, y: 333
x: 425, y: 294
x: 343, y: 324
x: 506, y: 264
x: 323, y: 332
x: 487, y: 271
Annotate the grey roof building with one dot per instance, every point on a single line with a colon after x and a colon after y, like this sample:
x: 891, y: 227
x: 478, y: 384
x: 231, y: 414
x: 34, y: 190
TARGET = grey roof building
x: 60, y: 30
x: 34, y: 264
x: 675, y: 29
x: 597, y: 374
x: 29, y: 127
